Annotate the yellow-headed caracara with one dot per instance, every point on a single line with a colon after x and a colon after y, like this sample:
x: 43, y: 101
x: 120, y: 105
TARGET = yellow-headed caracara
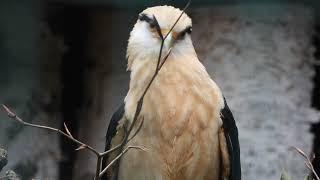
x: 188, y: 130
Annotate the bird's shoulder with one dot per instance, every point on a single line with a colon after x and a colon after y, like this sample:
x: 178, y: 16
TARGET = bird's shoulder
x: 112, y: 136
x: 230, y: 138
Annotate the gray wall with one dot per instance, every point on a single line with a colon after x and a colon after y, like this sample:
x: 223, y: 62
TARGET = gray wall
x: 258, y: 54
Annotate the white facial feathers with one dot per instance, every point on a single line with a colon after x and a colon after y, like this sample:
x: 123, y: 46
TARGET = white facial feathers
x: 167, y: 16
x: 144, y: 42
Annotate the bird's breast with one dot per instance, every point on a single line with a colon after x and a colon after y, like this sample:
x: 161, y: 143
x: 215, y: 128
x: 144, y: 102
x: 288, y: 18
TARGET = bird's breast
x: 181, y: 121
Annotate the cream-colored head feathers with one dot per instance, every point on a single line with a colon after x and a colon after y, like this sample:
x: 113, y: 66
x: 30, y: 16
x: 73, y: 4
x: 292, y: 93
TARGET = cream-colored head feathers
x: 181, y: 109
x: 167, y: 16
x: 144, y: 42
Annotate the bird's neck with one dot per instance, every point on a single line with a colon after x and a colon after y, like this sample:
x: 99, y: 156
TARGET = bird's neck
x: 142, y: 69
x: 181, y: 75
x: 143, y: 65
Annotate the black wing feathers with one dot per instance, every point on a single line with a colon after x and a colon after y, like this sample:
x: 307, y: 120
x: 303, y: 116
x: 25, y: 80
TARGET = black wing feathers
x: 229, y: 126
x: 112, y: 130
x: 231, y: 135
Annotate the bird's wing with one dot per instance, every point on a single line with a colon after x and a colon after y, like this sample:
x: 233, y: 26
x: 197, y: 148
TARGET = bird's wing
x: 115, y: 135
x: 229, y: 145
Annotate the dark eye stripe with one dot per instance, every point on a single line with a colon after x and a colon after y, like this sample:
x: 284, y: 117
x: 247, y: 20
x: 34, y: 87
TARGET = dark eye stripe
x: 187, y: 30
x: 144, y: 17
x: 152, y: 22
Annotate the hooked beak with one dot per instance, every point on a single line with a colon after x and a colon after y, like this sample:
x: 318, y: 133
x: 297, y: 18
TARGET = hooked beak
x: 171, y: 37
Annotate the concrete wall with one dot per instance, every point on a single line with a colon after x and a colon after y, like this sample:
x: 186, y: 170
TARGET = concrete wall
x: 29, y: 84
x: 258, y: 54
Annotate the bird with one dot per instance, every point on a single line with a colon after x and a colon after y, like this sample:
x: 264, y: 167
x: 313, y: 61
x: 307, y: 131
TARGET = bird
x: 188, y: 132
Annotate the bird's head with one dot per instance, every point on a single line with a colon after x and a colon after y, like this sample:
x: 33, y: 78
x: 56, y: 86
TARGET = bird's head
x: 145, y: 41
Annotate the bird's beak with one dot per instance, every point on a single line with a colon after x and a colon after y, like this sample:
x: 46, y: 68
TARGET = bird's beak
x: 171, y: 37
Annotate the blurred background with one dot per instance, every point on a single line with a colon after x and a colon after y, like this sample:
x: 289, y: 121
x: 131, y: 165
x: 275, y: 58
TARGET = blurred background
x: 64, y: 61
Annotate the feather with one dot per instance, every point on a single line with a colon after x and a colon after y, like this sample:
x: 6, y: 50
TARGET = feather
x: 111, y: 134
x: 230, y: 132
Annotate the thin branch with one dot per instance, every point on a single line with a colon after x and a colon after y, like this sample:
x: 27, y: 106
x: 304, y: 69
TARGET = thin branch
x: 12, y: 115
x: 135, y: 133
x: 165, y: 58
x: 118, y: 157
x: 308, y: 162
x: 116, y: 147
x: 158, y: 68
x: 112, y: 149
x: 67, y: 130
x: 81, y: 147
x: 126, y: 139
x: 175, y: 23
x: 98, y: 169
x: 160, y: 63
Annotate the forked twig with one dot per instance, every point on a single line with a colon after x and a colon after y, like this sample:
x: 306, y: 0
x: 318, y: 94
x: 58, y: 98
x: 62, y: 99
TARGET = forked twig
x: 307, y: 162
x: 13, y: 115
x: 126, y: 139
x: 113, y: 149
x: 160, y: 63
x: 118, y: 157
x: 165, y: 58
x: 158, y: 68
x: 67, y: 130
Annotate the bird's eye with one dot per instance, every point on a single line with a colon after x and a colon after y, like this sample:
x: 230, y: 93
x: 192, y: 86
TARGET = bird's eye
x: 152, y: 25
x: 189, y: 30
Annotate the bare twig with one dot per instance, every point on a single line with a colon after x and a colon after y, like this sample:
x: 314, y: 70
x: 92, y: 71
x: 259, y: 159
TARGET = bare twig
x: 116, y: 147
x: 112, y: 149
x: 307, y: 162
x: 126, y: 139
x: 160, y: 63
x: 175, y: 23
x: 158, y: 68
x: 12, y: 115
x: 118, y: 157
x: 80, y: 147
x: 165, y: 58
x: 67, y: 130
x: 98, y: 168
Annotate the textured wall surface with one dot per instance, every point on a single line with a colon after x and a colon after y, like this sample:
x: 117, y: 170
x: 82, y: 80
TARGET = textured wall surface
x: 29, y: 83
x: 106, y: 84
x: 259, y: 55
